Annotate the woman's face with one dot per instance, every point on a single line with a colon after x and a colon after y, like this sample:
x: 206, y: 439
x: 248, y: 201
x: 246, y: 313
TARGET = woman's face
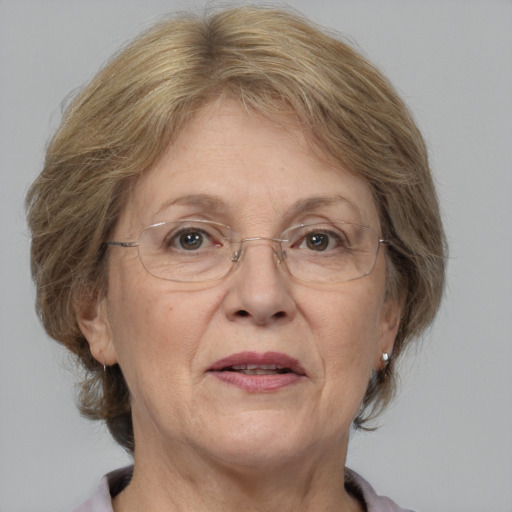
x: 172, y: 339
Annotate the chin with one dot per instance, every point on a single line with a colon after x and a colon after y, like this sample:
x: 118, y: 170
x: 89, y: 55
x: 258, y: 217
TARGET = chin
x: 259, y: 439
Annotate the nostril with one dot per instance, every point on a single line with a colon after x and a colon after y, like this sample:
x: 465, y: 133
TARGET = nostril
x: 242, y: 312
x: 279, y: 314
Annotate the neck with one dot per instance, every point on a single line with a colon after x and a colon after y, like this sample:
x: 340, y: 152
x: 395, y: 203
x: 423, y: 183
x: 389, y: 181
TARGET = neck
x: 180, y: 480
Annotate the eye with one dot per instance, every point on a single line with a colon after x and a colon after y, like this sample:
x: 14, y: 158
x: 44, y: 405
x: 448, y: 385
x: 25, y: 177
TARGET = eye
x: 329, y: 239
x: 317, y: 241
x: 321, y: 241
x: 191, y: 238
x: 190, y: 241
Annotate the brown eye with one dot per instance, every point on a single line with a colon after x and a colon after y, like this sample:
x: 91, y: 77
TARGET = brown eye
x: 188, y: 236
x: 317, y: 241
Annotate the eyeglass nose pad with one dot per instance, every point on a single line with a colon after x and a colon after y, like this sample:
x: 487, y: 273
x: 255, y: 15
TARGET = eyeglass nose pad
x: 279, y: 254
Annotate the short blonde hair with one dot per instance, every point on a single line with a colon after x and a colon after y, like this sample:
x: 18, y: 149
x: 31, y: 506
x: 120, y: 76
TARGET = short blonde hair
x: 271, y: 61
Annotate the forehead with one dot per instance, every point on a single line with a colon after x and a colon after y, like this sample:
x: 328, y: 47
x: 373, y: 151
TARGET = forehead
x: 242, y: 167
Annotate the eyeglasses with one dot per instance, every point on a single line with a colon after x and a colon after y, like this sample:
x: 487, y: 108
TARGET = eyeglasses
x: 200, y: 251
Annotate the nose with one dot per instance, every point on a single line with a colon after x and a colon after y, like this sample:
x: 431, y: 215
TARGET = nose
x: 260, y: 292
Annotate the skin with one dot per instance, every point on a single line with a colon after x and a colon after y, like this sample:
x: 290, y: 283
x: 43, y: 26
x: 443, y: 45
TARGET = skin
x: 283, y: 450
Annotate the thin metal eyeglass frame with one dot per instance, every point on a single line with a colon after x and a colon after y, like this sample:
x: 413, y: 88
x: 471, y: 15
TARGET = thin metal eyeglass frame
x: 236, y: 255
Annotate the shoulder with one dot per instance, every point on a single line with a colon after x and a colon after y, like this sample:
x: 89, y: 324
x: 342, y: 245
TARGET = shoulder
x: 358, y: 486
x: 110, y: 485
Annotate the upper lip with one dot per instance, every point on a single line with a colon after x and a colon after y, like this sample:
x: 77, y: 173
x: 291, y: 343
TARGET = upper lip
x: 275, y: 360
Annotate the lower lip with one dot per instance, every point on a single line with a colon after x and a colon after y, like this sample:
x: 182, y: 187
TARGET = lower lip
x: 258, y: 383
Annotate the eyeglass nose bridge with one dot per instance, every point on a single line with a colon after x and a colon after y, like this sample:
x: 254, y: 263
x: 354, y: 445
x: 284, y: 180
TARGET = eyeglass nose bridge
x: 280, y: 255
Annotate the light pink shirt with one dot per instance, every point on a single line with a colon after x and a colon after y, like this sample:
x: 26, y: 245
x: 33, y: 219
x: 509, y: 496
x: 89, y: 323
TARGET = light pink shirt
x: 101, y: 500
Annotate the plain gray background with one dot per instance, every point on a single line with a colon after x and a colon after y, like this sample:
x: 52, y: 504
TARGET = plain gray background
x: 446, y: 445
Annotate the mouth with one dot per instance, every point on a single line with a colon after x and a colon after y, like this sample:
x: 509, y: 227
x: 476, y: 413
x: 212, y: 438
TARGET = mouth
x: 255, y: 369
x: 255, y: 372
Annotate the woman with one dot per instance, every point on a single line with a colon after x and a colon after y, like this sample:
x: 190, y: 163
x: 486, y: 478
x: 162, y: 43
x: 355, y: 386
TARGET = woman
x: 237, y: 234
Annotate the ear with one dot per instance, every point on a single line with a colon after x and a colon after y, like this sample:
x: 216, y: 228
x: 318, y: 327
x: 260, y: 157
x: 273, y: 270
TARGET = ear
x: 92, y: 318
x: 388, y: 327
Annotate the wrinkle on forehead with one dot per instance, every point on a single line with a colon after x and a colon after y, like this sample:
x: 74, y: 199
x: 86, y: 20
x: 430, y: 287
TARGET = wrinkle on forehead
x: 203, y: 141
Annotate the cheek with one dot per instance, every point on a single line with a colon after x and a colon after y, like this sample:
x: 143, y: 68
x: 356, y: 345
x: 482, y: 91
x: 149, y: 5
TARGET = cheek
x: 346, y: 328
x: 344, y: 323
x: 156, y: 326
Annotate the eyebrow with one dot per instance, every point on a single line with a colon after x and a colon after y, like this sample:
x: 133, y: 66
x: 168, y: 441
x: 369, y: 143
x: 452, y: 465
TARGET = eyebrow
x: 311, y: 204
x: 217, y: 206
x: 206, y: 201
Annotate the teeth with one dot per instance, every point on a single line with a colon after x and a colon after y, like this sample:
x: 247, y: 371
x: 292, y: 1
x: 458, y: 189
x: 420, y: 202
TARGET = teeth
x: 256, y: 367
x: 259, y: 371
x: 251, y: 369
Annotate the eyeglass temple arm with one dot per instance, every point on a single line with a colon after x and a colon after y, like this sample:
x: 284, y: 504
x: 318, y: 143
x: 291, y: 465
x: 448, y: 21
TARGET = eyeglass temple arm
x: 122, y: 244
